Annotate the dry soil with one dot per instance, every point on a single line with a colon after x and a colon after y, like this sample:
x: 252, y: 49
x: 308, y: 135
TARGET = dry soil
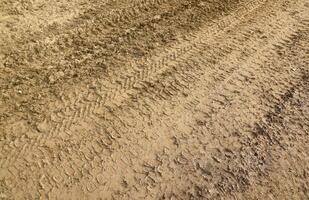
x: 154, y: 99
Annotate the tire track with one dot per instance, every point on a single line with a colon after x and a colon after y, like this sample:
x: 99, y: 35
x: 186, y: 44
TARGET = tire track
x: 137, y: 76
x: 49, y: 55
x: 227, y: 114
x: 267, y: 58
x: 246, y: 33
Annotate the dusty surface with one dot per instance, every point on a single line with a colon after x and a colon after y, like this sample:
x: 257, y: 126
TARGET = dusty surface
x: 154, y: 99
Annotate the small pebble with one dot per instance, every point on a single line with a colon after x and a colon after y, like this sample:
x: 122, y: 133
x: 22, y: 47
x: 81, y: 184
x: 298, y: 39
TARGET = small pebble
x: 157, y: 17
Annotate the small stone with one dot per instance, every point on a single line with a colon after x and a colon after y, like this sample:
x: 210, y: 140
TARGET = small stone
x: 202, y: 4
x: 157, y: 17
x: 42, y: 127
x: 51, y: 79
x: 60, y: 74
x: 50, y: 67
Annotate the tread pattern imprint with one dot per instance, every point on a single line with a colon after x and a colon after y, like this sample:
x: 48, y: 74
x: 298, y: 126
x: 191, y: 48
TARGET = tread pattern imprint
x: 217, y: 109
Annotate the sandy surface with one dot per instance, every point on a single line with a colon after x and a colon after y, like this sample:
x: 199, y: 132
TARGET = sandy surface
x: 154, y: 99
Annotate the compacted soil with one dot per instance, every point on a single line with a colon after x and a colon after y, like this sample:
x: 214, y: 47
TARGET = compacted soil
x: 154, y: 99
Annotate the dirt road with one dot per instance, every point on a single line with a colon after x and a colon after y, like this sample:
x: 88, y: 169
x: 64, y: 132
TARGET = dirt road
x: 154, y: 99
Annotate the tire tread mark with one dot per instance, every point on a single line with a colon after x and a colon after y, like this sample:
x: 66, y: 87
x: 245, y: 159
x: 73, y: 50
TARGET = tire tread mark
x: 111, y: 93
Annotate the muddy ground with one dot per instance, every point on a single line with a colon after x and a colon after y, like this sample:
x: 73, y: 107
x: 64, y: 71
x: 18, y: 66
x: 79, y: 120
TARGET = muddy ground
x: 154, y: 99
